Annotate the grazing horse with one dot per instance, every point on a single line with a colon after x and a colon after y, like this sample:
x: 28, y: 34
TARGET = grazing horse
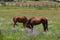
x: 20, y: 19
x: 35, y: 21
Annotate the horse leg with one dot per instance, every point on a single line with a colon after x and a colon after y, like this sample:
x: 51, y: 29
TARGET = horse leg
x: 46, y: 25
x: 31, y: 28
x: 24, y: 25
x: 14, y: 24
x: 13, y: 28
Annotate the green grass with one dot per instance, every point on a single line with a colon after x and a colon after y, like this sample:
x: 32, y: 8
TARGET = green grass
x: 7, y: 13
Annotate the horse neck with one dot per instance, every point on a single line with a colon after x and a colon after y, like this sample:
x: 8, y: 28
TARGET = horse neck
x: 30, y: 19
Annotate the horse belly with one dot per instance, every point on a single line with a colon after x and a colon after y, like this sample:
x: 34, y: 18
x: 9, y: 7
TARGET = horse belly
x: 36, y: 23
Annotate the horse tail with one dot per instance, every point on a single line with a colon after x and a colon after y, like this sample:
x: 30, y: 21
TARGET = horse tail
x: 46, y: 25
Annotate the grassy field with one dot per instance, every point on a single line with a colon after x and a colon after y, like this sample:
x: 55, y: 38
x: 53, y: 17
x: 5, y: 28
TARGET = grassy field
x: 6, y: 23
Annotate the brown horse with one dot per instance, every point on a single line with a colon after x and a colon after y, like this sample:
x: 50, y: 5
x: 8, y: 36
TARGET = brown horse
x: 35, y: 21
x: 20, y: 19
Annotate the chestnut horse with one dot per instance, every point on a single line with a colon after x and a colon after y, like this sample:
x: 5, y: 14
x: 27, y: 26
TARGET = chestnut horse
x: 20, y: 19
x: 35, y: 21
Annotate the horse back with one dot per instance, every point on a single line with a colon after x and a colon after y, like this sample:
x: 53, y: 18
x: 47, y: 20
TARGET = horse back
x: 43, y: 18
x: 20, y: 18
x: 37, y: 20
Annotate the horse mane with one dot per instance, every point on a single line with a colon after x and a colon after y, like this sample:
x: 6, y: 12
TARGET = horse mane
x: 30, y: 20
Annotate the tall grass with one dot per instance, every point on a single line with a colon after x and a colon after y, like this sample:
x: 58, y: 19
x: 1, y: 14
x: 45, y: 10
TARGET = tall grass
x: 7, y: 13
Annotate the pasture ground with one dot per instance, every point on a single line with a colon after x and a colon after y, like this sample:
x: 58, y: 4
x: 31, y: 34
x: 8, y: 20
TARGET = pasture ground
x: 7, y: 13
